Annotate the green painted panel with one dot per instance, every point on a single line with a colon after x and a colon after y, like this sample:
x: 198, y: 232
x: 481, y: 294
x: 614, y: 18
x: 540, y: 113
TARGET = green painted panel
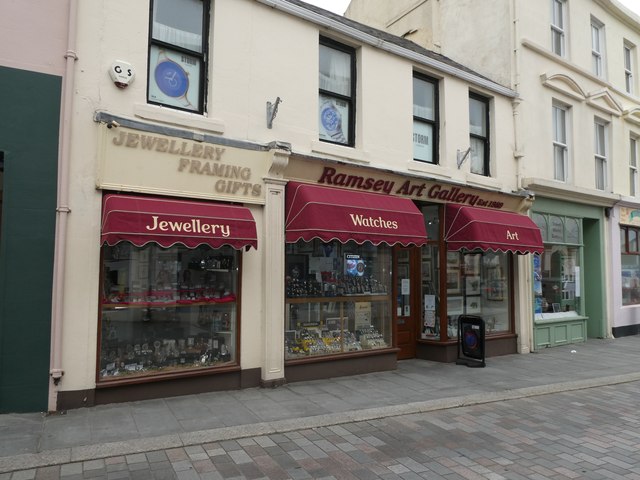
x: 29, y: 140
x: 593, y: 263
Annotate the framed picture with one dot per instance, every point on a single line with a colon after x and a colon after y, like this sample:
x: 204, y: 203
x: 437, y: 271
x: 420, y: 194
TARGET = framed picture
x: 472, y: 264
x: 453, y: 281
x: 556, y: 307
x: 455, y: 306
x: 472, y: 285
x: 426, y: 252
x: 426, y: 271
x: 473, y: 305
x: 453, y: 260
x: 296, y: 267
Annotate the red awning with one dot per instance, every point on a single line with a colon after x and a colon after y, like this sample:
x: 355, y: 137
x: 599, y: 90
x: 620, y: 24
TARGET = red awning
x: 472, y: 228
x: 141, y: 220
x: 327, y: 213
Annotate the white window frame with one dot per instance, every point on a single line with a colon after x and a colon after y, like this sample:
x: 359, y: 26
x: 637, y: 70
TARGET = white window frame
x: 597, y: 48
x: 628, y: 51
x: 633, y: 166
x: 558, y: 27
x: 601, y: 148
x: 560, y: 125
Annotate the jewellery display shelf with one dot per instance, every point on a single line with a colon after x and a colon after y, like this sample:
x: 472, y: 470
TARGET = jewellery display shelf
x: 184, y: 319
x: 333, y: 325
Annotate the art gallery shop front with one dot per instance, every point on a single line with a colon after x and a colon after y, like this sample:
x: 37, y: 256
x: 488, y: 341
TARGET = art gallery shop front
x: 359, y: 296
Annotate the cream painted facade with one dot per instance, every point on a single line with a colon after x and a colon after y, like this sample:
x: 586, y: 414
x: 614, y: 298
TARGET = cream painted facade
x: 258, y: 50
x: 511, y: 42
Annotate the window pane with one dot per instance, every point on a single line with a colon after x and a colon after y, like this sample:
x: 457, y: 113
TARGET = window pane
x: 422, y: 141
x: 633, y: 240
x: 559, y: 125
x: 423, y: 99
x: 541, y: 222
x: 600, y: 139
x: 334, y: 119
x: 335, y: 71
x: 630, y: 276
x: 572, y: 227
x: 559, y: 163
x: 557, y: 229
x: 477, y: 117
x: 559, y: 266
x: 167, y: 309
x: 323, y: 312
x: 179, y: 23
x: 477, y: 156
x: 623, y: 240
x: 600, y: 174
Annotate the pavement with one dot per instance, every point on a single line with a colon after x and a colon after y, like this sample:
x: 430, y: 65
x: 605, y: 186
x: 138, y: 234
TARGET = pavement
x: 121, y: 431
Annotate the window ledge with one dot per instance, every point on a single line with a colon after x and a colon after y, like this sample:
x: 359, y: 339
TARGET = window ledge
x: 482, y: 181
x: 347, y: 153
x: 176, y: 117
x: 429, y: 168
x: 546, y: 318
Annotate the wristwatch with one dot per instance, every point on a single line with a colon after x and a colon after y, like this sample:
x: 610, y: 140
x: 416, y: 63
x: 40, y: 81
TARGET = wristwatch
x: 172, y: 79
x: 331, y: 120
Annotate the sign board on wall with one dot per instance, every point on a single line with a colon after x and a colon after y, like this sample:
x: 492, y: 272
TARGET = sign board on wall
x: 138, y: 161
x: 384, y: 182
x: 630, y: 216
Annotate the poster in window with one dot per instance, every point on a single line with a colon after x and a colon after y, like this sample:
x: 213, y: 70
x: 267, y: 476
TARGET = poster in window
x: 422, y: 141
x: 333, y: 116
x: 174, y: 78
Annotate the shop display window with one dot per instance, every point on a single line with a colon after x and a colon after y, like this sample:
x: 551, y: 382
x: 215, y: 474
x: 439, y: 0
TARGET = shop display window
x: 478, y: 284
x: 630, y: 265
x: 556, y: 272
x: 338, y: 298
x: 167, y: 310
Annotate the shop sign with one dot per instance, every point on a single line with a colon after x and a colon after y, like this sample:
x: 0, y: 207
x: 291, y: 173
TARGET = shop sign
x: 138, y: 161
x: 630, y: 216
x: 417, y: 189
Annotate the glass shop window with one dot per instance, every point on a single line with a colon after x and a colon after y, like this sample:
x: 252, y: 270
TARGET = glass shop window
x: 630, y: 271
x: 478, y: 283
x: 557, y: 272
x: 338, y: 298
x: 167, y: 310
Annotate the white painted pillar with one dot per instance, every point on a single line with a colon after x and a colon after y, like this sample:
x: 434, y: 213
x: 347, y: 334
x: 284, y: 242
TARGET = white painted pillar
x: 273, y: 271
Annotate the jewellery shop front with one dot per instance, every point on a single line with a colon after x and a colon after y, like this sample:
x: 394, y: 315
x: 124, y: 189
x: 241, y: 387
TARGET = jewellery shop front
x: 173, y: 269
x: 380, y: 266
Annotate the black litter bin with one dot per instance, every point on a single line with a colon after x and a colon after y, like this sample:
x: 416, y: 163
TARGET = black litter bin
x: 471, y: 350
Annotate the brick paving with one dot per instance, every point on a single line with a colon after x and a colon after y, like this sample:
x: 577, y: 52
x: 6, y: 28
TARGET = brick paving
x: 587, y: 434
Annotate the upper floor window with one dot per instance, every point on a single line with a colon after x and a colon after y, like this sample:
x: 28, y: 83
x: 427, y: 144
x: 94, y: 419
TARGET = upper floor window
x: 628, y: 51
x: 633, y: 166
x: 425, y: 114
x: 597, y: 48
x: 560, y: 145
x: 601, y: 154
x: 479, y: 134
x: 558, y: 8
x: 177, y: 53
x: 336, y: 92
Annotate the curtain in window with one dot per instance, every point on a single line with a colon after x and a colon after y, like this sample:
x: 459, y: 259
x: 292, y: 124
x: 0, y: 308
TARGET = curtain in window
x: 335, y: 71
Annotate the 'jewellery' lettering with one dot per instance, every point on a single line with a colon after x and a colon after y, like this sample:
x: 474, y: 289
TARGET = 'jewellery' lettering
x: 192, y: 226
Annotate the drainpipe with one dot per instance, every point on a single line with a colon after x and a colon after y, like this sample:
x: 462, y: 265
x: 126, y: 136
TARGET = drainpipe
x: 62, y: 212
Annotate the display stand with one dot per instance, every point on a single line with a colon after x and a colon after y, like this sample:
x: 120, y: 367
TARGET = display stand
x: 471, y: 351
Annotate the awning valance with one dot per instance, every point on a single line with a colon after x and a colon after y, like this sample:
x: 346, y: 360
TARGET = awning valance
x: 326, y: 213
x: 141, y: 220
x: 473, y: 228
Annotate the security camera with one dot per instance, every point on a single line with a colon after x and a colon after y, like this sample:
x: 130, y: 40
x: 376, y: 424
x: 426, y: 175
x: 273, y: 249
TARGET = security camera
x: 113, y: 124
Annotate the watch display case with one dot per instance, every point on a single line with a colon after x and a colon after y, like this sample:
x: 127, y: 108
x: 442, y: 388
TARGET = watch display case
x: 338, y: 299
x: 167, y: 310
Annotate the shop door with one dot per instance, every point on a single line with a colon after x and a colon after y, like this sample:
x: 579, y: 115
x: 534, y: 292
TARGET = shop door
x: 406, y: 312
